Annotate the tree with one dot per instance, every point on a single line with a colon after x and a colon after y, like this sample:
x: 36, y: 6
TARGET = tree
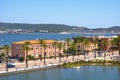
x: 95, y: 41
x: 67, y: 45
x: 72, y: 49
x: 104, y: 43
x: 44, y: 46
x: 2, y: 55
x: 78, y: 40
x: 85, y: 42
x: 7, y: 48
x: 112, y: 44
x: 59, y: 45
x: 40, y: 41
x: 55, y: 45
x: 117, y: 43
x: 26, y: 48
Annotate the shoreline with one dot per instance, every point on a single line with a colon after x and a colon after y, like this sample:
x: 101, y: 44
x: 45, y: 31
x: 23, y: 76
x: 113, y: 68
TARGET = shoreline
x: 30, y: 69
x: 63, y: 65
x: 92, y: 63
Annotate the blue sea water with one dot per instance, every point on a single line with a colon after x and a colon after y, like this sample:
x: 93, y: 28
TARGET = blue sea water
x: 84, y: 73
x: 9, y: 38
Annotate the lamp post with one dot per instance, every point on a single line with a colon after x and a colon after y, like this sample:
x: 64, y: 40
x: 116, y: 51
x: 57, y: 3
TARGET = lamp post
x: 6, y: 63
x: 35, y: 57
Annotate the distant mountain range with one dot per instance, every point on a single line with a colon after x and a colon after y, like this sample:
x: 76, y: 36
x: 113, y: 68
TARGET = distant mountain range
x: 56, y: 28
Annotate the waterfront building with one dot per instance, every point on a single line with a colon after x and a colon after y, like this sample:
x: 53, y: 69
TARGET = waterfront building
x: 104, y: 42
x: 50, y: 50
x: 89, y: 47
x: 36, y: 48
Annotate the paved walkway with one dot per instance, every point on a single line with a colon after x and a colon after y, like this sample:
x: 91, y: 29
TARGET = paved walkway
x: 49, y: 62
x: 38, y: 63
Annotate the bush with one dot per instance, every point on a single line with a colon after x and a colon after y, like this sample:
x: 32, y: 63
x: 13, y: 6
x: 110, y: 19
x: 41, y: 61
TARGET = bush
x: 51, y: 57
x: 21, y: 59
x: 30, y: 57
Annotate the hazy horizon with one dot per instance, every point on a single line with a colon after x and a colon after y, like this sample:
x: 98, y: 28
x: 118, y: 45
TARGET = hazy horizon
x: 84, y: 13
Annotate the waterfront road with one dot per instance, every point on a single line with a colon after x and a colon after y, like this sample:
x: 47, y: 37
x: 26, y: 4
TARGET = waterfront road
x: 33, y: 63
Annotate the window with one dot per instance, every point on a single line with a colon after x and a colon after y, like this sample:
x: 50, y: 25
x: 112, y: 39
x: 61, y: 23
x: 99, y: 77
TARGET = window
x: 32, y: 46
x: 37, y: 46
x: 17, y: 47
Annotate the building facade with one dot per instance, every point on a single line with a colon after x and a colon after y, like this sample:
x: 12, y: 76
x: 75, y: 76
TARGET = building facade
x: 35, y: 49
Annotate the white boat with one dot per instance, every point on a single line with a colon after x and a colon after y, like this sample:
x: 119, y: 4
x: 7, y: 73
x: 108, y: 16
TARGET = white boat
x: 77, y: 67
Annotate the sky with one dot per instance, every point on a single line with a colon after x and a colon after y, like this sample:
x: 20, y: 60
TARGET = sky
x: 85, y: 13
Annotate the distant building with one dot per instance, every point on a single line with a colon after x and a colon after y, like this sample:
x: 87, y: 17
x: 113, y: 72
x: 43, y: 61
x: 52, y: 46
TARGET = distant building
x: 36, y: 49
x: 100, y: 46
x: 89, y: 47
x: 107, y: 40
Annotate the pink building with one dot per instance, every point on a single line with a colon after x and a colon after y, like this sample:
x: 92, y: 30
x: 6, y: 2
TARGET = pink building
x: 36, y: 49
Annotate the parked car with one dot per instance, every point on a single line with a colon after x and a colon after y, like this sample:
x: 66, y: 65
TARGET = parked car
x: 10, y: 65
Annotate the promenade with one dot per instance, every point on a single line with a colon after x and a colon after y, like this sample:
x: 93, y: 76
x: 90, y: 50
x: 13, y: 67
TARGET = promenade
x: 51, y: 62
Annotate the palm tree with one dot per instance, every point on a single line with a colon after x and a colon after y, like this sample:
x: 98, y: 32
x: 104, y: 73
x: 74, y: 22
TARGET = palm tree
x: 7, y: 48
x: 73, y: 49
x: 79, y: 41
x: 26, y: 48
x: 112, y: 44
x: 104, y: 43
x: 40, y: 41
x: 55, y: 45
x: 85, y: 42
x: 59, y: 45
x: 67, y: 45
x: 116, y: 42
x: 95, y: 41
x: 44, y: 46
x: 2, y: 55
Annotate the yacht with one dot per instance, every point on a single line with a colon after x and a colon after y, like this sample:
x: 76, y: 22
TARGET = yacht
x: 77, y: 67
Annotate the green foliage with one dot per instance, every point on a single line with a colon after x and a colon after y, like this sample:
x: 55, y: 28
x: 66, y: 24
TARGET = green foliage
x: 30, y: 57
x: 36, y: 27
x: 72, y: 49
x: 64, y: 51
x: 2, y: 55
x: 52, y: 27
x: 97, y: 62
x: 51, y: 56
x: 21, y: 59
x: 79, y: 39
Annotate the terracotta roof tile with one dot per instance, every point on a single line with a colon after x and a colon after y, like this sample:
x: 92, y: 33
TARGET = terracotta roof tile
x: 34, y: 42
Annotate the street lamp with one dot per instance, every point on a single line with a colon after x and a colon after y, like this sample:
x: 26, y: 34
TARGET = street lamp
x: 6, y: 63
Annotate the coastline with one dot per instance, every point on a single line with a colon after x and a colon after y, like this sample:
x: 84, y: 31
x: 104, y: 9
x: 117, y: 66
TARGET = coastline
x: 30, y: 69
x: 89, y: 63
x: 63, y: 65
